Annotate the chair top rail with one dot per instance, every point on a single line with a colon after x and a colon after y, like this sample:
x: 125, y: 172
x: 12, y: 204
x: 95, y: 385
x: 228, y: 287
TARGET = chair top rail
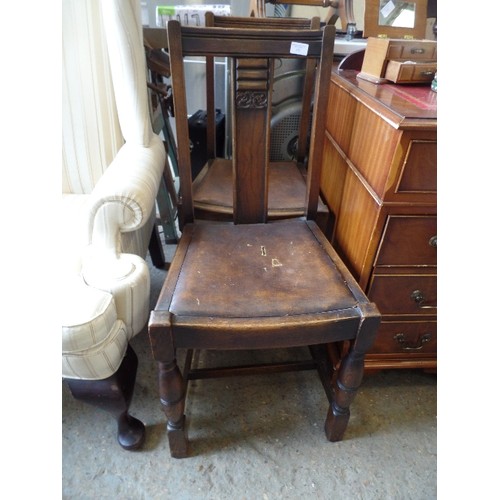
x: 265, y: 43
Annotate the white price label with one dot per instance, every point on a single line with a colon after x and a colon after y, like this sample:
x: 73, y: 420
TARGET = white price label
x: 387, y: 8
x: 299, y: 49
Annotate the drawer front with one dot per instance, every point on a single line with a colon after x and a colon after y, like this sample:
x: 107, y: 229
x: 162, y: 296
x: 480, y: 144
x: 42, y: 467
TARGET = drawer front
x: 419, y: 172
x: 406, y: 337
x: 405, y: 294
x: 412, y: 50
x: 405, y: 72
x: 408, y: 241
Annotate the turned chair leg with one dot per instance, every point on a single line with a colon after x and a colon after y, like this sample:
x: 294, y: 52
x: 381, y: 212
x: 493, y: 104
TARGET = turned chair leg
x: 345, y: 386
x: 173, y: 399
x: 349, y: 377
x: 114, y: 395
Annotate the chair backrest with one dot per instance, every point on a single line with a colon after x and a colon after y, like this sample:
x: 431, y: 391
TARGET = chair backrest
x: 270, y: 23
x: 251, y: 53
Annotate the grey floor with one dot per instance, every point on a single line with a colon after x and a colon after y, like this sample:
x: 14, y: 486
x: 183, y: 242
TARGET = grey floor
x: 259, y: 437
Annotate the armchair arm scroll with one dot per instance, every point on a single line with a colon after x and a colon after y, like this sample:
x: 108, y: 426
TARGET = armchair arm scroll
x: 124, y: 197
x: 122, y: 201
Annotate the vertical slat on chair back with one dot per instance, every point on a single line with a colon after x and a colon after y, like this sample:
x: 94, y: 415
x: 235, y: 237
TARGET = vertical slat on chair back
x: 252, y: 81
x: 251, y: 95
x: 176, y: 57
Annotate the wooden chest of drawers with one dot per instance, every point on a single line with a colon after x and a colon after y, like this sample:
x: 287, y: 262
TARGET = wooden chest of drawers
x: 379, y: 180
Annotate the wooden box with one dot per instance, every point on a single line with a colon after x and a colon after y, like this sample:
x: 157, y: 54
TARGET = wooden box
x: 388, y: 54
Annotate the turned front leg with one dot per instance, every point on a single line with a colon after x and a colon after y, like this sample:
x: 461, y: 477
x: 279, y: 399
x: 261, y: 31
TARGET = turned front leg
x: 346, y: 383
x: 345, y: 388
x: 173, y: 397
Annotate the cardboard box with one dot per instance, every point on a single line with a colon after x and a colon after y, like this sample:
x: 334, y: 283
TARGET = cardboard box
x: 188, y: 15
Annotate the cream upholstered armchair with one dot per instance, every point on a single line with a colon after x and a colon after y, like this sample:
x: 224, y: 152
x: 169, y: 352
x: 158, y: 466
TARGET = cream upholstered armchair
x: 112, y: 166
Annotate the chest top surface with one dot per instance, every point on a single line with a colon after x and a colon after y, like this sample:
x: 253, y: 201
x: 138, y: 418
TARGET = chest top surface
x: 404, y: 106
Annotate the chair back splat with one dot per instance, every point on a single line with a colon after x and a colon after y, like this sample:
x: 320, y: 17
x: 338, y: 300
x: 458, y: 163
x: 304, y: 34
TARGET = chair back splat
x: 253, y: 283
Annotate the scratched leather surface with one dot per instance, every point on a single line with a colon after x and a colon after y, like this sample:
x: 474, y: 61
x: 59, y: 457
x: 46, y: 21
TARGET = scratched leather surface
x: 226, y: 265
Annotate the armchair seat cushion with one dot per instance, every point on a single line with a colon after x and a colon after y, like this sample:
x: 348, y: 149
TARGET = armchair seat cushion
x: 94, y: 340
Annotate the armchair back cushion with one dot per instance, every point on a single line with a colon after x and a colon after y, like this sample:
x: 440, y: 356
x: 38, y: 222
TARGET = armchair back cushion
x: 91, y: 134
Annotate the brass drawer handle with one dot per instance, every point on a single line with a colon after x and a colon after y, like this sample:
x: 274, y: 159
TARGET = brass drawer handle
x: 419, y: 298
x: 405, y: 345
x: 417, y: 51
x: 433, y: 242
x: 427, y: 73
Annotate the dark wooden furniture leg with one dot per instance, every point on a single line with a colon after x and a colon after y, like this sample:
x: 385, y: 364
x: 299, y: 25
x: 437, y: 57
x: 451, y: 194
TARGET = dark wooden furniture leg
x: 156, y: 249
x: 173, y: 399
x: 347, y: 379
x: 114, y: 395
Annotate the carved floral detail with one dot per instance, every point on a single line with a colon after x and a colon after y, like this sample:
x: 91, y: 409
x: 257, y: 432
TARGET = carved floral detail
x: 251, y: 99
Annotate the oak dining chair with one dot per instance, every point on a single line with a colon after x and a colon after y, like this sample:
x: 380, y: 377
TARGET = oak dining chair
x: 255, y: 283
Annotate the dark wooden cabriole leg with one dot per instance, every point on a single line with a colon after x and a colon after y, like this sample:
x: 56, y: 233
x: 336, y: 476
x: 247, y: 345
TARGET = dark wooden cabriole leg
x: 349, y: 377
x: 114, y: 395
x: 173, y: 398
